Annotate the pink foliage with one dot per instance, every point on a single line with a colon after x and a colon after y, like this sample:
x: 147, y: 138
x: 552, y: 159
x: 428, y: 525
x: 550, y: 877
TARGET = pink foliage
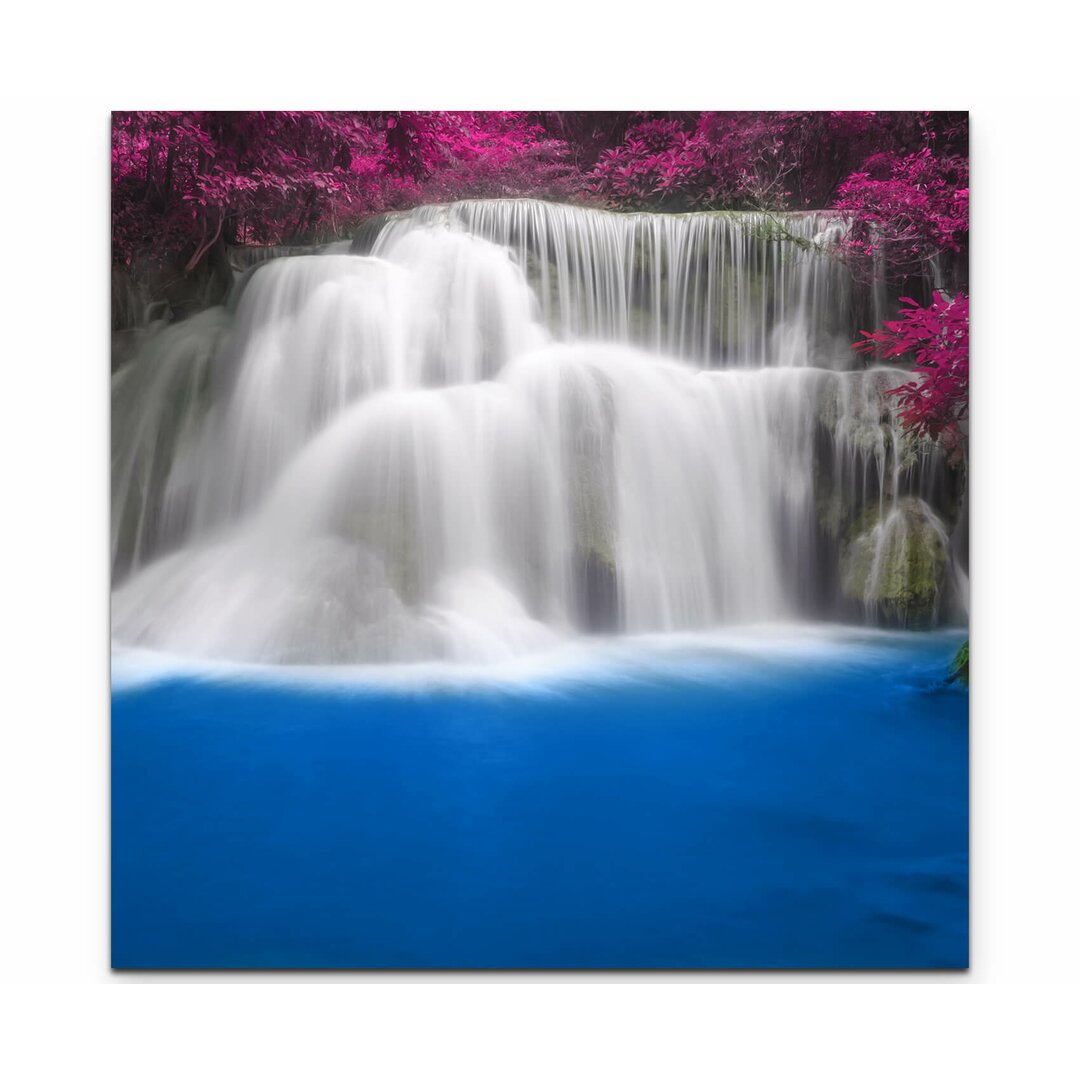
x: 182, y: 181
x: 905, y: 212
x: 935, y: 337
x: 774, y: 160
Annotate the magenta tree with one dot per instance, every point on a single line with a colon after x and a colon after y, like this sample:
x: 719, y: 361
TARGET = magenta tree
x: 935, y: 338
x: 186, y: 181
x: 905, y: 213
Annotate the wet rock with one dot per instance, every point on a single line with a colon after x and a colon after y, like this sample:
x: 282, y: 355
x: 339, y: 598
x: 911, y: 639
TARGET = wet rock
x: 897, y: 566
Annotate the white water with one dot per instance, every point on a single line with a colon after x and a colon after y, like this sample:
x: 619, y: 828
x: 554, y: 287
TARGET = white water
x: 511, y: 424
x: 738, y: 656
x: 717, y: 288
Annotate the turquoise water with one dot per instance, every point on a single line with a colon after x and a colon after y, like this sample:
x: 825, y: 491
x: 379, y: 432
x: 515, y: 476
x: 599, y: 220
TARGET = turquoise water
x: 778, y: 799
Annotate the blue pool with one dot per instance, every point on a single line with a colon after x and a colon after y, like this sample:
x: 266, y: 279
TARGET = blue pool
x: 780, y: 800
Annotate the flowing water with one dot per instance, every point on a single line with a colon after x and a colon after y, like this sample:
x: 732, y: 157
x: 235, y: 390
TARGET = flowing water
x: 494, y: 426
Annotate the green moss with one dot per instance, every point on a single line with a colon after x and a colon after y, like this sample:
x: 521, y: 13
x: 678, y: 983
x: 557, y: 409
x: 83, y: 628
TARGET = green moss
x: 897, y: 566
x: 958, y: 669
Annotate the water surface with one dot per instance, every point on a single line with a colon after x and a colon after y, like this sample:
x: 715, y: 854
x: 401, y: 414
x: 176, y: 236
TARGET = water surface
x: 792, y: 798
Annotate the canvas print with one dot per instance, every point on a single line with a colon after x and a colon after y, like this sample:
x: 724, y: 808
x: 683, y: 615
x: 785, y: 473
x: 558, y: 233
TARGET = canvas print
x: 539, y: 540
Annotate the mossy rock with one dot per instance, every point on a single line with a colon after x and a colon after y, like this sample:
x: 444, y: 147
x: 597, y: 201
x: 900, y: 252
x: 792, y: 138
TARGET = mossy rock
x: 897, y: 567
x: 958, y: 669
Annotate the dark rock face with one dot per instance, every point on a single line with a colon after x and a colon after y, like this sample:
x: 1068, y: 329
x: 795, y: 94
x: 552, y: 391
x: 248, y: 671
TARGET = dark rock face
x: 597, y: 587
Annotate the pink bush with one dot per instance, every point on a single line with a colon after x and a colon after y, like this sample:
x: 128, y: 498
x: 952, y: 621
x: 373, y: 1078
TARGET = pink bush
x: 936, y: 339
x: 184, y: 181
x: 905, y: 212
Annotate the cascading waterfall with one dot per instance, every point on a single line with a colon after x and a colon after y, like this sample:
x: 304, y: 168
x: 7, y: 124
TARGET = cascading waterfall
x: 511, y: 422
x: 722, y: 289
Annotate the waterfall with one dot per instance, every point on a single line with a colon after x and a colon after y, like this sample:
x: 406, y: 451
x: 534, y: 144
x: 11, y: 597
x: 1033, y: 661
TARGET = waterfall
x: 722, y: 289
x: 497, y: 424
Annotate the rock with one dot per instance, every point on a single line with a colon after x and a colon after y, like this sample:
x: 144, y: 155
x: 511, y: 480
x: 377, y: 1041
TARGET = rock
x: 897, y: 567
x: 597, y: 591
x: 590, y: 410
x: 958, y: 669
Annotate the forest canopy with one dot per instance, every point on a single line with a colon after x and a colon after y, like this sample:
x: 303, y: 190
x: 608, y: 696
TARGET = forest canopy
x: 183, y: 181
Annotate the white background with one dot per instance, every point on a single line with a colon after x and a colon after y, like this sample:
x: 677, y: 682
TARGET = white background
x: 62, y: 73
